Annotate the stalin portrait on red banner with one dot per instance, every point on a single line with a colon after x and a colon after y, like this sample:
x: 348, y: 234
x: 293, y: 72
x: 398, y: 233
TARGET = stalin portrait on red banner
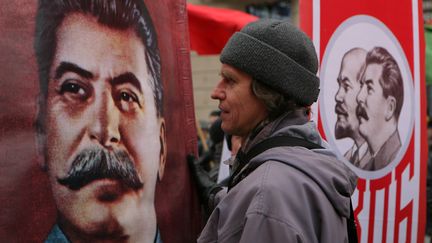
x: 100, y: 124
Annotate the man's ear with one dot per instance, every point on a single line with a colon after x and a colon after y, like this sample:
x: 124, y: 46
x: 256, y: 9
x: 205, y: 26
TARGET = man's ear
x: 391, y: 107
x: 163, y: 149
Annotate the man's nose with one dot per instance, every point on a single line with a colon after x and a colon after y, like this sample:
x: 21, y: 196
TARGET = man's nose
x: 361, y: 95
x: 218, y: 92
x: 339, y: 96
x: 105, y: 126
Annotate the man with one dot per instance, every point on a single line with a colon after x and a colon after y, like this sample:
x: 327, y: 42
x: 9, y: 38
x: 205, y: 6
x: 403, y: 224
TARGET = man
x: 380, y: 102
x: 295, y: 194
x: 100, y: 118
x: 352, y: 66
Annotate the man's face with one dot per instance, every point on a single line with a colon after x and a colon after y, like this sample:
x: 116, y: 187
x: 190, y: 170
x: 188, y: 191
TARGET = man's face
x: 346, y: 104
x: 100, y: 100
x: 240, y: 109
x: 372, y: 104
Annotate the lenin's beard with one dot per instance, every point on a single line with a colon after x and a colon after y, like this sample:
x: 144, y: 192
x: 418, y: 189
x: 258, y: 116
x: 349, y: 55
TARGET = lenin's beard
x: 96, y: 164
x: 342, y: 132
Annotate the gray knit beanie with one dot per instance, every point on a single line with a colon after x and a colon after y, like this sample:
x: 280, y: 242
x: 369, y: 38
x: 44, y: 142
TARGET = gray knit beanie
x: 277, y: 54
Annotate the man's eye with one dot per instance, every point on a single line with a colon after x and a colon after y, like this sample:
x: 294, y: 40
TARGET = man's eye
x: 71, y: 87
x: 73, y: 90
x: 230, y: 81
x: 128, y: 97
x: 345, y: 86
x: 128, y: 101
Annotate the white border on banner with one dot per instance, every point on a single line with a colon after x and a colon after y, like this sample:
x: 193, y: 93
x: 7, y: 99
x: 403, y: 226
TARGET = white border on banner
x: 316, y: 10
x: 417, y: 132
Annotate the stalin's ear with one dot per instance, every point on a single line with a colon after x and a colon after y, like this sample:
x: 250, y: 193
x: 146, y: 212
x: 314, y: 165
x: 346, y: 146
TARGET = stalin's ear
x: 163, y: 149
x: 390, y: 107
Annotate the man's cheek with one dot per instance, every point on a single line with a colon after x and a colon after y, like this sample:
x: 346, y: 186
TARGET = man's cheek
x: 67, y: 135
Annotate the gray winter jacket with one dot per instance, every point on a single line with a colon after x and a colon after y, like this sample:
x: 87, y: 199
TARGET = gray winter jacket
x: 305, y: 199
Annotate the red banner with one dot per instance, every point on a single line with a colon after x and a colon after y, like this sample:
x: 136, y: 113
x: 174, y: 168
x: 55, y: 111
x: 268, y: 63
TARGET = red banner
x: 372, y: 108
x: 210, y: 28
x: 97, y: 117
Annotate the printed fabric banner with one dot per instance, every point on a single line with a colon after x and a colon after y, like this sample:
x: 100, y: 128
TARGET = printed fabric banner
x: 96, y: 119
x: 372, y: 110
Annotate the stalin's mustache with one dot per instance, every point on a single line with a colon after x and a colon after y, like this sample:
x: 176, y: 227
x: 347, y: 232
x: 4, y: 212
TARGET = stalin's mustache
x: 361, y: 112
x: 96, y: 164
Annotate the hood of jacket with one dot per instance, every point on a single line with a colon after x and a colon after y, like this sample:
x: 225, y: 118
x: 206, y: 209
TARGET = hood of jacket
x: 334, y: 178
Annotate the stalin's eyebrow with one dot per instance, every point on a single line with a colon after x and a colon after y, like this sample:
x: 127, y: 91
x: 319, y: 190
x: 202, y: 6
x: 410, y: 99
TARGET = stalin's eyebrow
x: 65, y: 67
x: 127, y: 78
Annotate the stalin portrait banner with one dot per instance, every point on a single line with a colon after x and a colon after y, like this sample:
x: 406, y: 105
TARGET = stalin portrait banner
x: 96, y: 117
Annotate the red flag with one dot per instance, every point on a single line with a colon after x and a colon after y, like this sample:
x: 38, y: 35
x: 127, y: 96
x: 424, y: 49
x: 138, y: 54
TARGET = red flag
x: 210, y: 28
